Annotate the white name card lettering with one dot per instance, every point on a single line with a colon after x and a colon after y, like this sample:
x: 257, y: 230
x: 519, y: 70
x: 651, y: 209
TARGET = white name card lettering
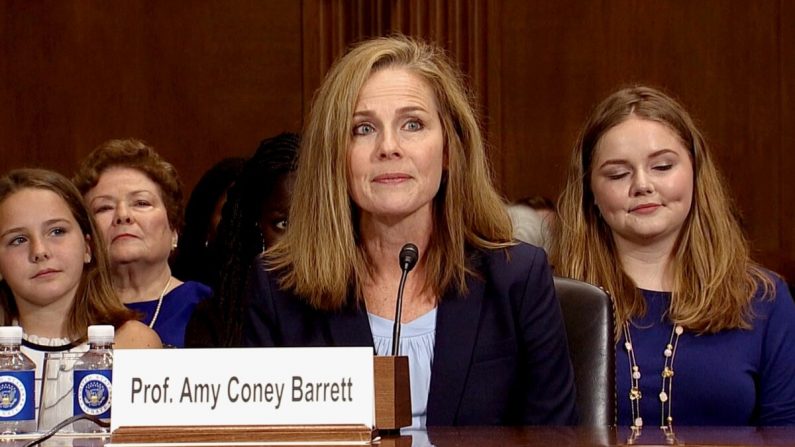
x: 242, y: 386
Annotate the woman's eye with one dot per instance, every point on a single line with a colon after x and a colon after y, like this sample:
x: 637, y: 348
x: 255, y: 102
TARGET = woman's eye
x: 19, y: 240
x: 102, y: 209
x: 617, y: 175
x: 664, y: 167
x: 281, y: 225
x: 141, y: 203
x: 363, y: 129
x: 58, y: 231
x: 413, y: 125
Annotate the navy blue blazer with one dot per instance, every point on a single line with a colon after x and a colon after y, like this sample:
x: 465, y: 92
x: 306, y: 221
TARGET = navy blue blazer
x: 500, y: 356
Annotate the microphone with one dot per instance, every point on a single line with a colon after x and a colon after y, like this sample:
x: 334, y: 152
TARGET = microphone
x: 408, y: 257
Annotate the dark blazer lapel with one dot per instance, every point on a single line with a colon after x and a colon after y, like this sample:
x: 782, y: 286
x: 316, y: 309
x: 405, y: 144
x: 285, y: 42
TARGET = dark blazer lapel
x: 350, y: 327
x: 457, y: 323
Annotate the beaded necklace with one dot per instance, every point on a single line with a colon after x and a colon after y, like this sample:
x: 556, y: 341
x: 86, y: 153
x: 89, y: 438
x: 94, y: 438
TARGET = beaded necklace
x: 159, y: 304
x: 665, y: 396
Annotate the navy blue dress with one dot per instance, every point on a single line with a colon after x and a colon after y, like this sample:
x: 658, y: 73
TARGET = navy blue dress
x: 177, y: 307
x: 734, y: 377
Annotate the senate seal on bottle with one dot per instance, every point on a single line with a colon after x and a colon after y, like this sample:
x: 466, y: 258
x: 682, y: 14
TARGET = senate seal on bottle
x: 94, y: 394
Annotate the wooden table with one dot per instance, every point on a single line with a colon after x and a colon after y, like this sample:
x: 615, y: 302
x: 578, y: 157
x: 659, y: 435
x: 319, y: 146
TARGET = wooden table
x: 545, y: 436
x: 583, y: 436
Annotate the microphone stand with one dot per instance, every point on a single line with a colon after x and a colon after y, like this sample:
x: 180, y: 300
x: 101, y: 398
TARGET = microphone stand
x: 392, y: 386
x: 398, y: 313
x: 408, y: 257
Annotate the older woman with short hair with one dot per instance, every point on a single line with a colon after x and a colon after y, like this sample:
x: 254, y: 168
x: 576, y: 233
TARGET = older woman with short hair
x: 392, y: 153
x: 136, y: 199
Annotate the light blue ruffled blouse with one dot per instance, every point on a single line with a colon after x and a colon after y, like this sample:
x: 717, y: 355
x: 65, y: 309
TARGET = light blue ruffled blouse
x: 417, y: 339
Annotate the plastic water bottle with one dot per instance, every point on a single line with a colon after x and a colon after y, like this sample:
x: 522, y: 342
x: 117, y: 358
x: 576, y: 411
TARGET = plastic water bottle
x: 17, y: 384
x: 93, y: 375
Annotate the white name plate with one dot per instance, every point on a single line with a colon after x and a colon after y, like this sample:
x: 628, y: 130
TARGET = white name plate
x: 242, y: 386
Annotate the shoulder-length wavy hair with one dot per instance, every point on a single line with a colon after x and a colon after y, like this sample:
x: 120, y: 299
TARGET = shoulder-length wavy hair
x: 714, y: 277
x: 95, y: 302
x: 135, y: 154
x: 320, y: 256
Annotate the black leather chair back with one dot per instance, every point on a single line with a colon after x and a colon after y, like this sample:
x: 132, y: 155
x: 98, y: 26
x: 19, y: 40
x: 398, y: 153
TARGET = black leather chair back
x: 588, y: 315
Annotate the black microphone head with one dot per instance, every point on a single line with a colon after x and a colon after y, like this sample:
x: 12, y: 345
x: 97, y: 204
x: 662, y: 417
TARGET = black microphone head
x: 409, y: 255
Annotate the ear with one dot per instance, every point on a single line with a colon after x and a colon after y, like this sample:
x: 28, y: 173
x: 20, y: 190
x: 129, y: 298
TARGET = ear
x: 87, y: 254
x: 174, y: 240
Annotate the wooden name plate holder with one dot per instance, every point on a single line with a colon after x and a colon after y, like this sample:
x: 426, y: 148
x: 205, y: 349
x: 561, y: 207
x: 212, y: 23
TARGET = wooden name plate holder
x: 392, y: 411
x: 265, y: 434
x: 392, y: 393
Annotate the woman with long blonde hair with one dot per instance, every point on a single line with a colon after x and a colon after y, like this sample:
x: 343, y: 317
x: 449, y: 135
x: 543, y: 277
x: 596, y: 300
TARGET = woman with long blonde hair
x: 392, y: 153
x: 704, y: 334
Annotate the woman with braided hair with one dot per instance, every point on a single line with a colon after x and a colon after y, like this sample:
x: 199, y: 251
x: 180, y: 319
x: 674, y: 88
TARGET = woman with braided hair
x: 253, y: 218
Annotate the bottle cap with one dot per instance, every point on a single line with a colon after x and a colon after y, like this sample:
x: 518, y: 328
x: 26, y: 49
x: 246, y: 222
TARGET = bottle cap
x: 100, y: 333
x: 10, y: 335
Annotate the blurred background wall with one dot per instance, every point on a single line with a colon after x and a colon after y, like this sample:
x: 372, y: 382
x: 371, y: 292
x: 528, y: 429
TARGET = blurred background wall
x: 201, y: 80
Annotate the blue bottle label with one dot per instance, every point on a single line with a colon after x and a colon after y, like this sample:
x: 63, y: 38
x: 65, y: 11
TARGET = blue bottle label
x: 92, y: 392
x: 17, y: 398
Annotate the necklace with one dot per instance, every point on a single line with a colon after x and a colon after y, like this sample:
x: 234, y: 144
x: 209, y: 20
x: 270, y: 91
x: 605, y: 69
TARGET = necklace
x: 159, y: 303
x: 51, y: 347
x: 667, y: 373
x: 48, y: 348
